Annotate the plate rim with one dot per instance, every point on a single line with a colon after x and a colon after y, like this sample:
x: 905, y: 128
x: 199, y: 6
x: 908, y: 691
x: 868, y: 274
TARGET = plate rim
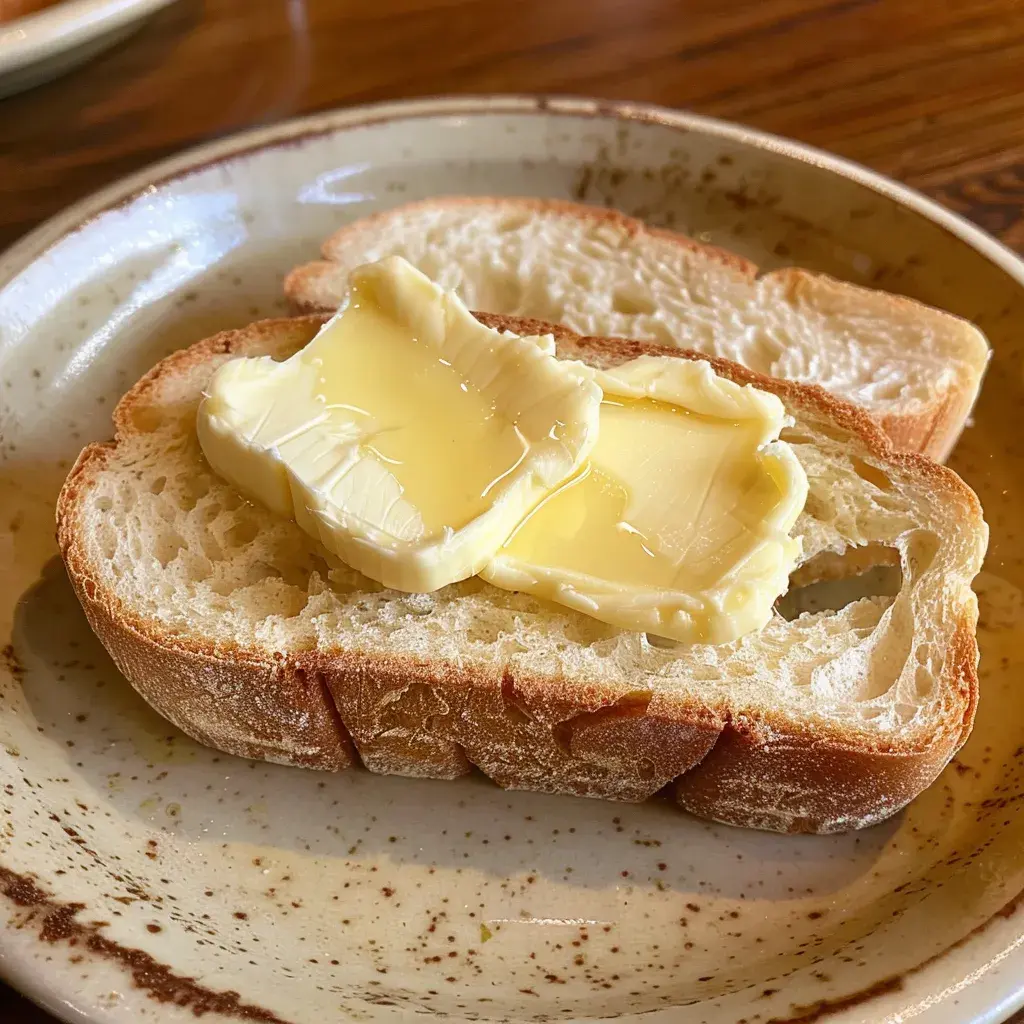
x: 296, y: 131
x: 53, y: 30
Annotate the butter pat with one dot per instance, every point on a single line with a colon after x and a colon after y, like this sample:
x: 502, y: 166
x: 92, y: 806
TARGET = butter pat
x: 406, y: 437
x: 679, y: 523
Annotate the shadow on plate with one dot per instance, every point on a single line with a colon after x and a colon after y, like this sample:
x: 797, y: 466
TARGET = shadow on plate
x: 152, y: 773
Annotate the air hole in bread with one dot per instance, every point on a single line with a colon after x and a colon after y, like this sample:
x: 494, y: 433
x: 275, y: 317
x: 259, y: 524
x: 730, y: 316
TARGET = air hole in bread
x: 319, y: 565
x: 295, y: 575
x: 345, y: 581
x: 581, y: 277
x: 515, y: 708
x: 793, y: 436
x: 922, y: 548
x: 905, y: 712
x: 292, y: 603
x: 166, y: 546
x: 195, y: 566
x: 513, y: 221
x: 830, y: 582
x: 126, y: 497
x: 924, y: 681
x: 815, y: 507
x: 660, y: 641
x: 157, y: 486
x: 821, y: 429
x: 232, y: 500
x: 872, y: 474
x: 631, y: 705
x: 165, y: 510
x: 211, y: 548
x: 827, y: 565
x: 243, y: 532
x: 146, y: 419
x: 192, y: 488
x: 106, y: 535
x: 633, y: 303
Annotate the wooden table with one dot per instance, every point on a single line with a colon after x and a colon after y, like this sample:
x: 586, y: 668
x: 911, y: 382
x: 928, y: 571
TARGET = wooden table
x: 931, y: 93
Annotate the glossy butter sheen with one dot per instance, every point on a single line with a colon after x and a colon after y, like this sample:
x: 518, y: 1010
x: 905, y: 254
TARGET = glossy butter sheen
x: 679, y: 523
x: 407, y: 437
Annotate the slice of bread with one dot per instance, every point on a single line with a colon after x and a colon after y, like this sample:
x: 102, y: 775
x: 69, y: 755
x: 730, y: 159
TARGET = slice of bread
x: 915, y: 369
x: 247, y: 635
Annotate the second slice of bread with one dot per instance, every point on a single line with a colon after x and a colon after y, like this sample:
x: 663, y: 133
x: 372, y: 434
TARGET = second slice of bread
x: 915, y: 369
x: 242, y: 631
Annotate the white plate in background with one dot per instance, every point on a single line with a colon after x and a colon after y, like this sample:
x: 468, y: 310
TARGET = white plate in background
x: 46, y: 44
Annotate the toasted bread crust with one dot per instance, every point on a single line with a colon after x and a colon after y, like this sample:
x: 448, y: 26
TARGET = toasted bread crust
x: 931, y: 429
x: 329, y: 709
x: 218, y: 697
x: 777, y: 781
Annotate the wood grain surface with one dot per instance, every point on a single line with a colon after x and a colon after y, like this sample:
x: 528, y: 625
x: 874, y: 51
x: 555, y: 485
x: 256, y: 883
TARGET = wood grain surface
x: 931, y: 93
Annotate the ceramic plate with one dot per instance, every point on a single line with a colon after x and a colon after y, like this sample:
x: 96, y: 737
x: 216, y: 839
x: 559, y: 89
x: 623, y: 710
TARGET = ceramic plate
x: 42, y: 46
x: 145, y: 878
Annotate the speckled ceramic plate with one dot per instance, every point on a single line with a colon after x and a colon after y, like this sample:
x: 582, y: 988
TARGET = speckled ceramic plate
x: 145, y: 878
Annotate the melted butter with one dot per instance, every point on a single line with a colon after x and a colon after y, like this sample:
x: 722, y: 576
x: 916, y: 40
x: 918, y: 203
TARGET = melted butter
x: 678, y: 524
x: 406, y: 437
x: 437, y: 441
x: 626, y: 515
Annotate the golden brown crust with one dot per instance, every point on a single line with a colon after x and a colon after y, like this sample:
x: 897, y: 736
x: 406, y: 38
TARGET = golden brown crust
x: 931, y: 429
x: 429, y: 717
x: 435, y: 719
x: 218, y: 697
x: 791, y: 780
x: 301, y: 284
